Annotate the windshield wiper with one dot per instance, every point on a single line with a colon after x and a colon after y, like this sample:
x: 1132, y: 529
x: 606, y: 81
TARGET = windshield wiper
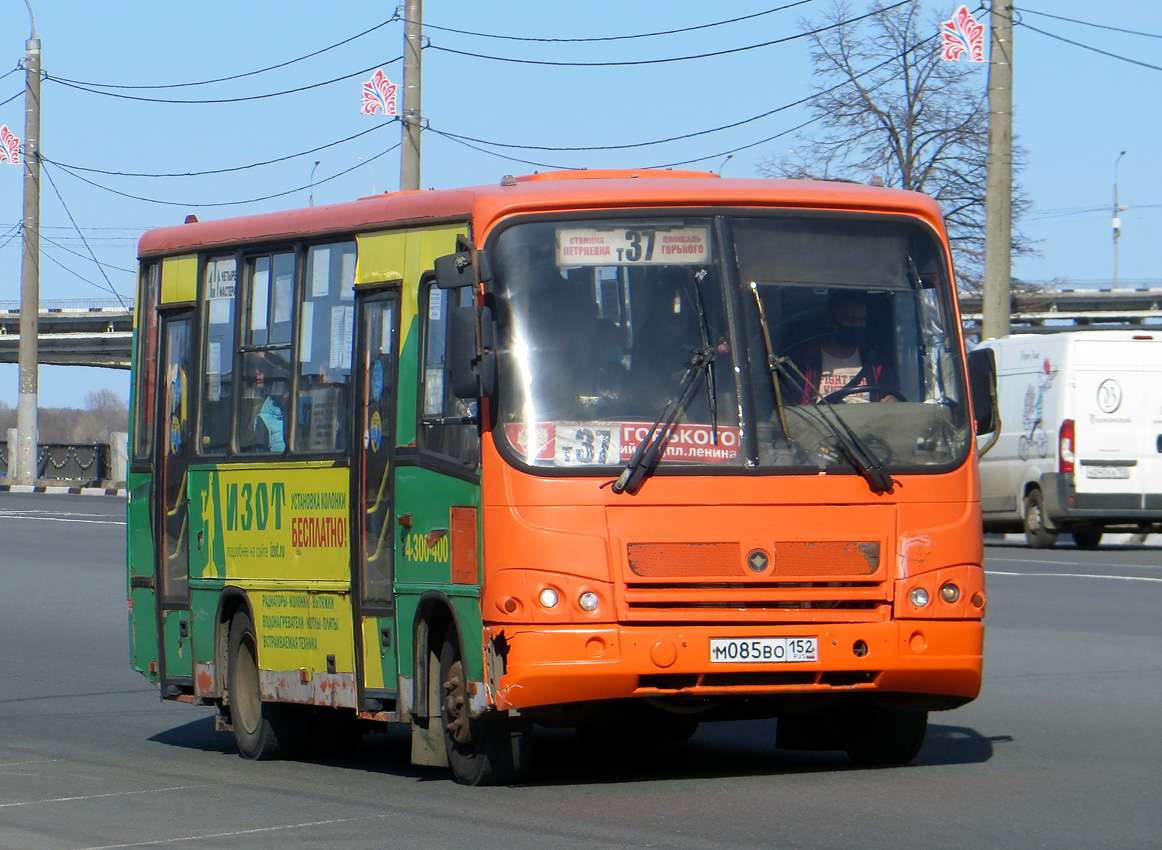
x: 772, y: 366
x: 862, y: 459
x: 704, y: 331
x: 649, y: 451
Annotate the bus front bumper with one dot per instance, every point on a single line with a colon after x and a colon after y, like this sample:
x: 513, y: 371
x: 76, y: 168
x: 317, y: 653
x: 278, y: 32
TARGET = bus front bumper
x: 554, y: 665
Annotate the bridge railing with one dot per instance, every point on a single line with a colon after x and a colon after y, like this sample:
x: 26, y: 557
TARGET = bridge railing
x: 82, y: 465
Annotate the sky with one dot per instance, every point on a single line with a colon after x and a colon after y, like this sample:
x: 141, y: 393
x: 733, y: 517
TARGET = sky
x: 1075, y: 110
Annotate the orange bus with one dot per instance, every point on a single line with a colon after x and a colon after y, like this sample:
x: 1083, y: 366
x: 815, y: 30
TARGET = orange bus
x: 615, y: 450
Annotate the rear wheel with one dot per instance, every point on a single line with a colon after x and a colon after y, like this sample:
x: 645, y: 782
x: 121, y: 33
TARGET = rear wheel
x: 262, y: 730
x: 491, y: 749
x: 1087, y: 539
x: 886, y: 736
x: 1036, y: 534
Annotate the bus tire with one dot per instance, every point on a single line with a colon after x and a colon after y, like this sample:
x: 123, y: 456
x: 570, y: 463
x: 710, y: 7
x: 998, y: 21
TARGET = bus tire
x: 262, y: 730
x: 492, y: 749
x: 1037, y: 536
x: 883, y: 737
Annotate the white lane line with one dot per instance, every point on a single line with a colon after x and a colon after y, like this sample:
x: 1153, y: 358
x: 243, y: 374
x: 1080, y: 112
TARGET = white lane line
x: 98, y: 796
x: 63, y: 519
x: 1070, y: 575
x: 1033, y: 562
x: 19, y: 763
x: 212, y: 835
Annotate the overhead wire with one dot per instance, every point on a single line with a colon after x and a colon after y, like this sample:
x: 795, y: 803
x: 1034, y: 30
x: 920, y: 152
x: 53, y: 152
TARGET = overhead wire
x: 1027, y: 11
x: 191, y: 205
x: 608, y: 38
x: 635, y: 62
x: 279, y: 66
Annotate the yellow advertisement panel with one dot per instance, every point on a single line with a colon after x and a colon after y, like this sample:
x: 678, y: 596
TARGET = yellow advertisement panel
x: 298, y: 630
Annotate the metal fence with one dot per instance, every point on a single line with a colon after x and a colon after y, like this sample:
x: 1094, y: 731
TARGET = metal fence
x: 85, y: 465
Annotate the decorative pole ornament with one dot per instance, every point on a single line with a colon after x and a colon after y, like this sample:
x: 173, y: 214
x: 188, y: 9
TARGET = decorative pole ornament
x: 962, y: 36
x: 9, y: 146
x: 379, y: 95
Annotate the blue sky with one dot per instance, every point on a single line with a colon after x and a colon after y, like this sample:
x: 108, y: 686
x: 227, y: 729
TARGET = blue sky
x: 1075, y: 110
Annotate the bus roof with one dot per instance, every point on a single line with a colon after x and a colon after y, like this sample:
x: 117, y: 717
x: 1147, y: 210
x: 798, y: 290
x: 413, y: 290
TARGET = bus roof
x: 556, y: 191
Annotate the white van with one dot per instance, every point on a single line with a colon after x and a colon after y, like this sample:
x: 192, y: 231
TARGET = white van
x: 1080, y: 447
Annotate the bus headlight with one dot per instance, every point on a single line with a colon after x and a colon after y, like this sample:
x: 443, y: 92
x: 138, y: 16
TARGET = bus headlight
x: 588, y: 601
x: 950, y: 593
x: 548, y: 597
x: 919, y: 597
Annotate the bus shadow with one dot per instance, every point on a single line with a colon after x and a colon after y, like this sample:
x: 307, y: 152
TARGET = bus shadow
x: 561, y: 757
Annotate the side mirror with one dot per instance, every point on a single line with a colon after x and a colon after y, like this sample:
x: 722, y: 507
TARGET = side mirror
x: 982, y: 385
x: 472, y: 352
x: 467, y: 267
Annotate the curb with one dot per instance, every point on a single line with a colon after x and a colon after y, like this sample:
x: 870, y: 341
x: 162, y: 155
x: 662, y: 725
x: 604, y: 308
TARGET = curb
x: 60, y: 490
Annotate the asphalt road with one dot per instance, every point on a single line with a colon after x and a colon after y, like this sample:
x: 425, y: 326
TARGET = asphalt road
x: 1062, y: 750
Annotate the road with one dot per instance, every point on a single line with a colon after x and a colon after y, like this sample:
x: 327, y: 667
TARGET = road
x: 1062, y: 750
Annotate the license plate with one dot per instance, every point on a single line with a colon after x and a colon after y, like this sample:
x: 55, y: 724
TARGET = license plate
x: 1107, y: 472
x: 763, y: 650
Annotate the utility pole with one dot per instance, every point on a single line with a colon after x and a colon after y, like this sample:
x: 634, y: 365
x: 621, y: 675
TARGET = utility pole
x: 26, y: 413
x: 1118, y: 210
x: 998, y: 247
x: 409, y: 173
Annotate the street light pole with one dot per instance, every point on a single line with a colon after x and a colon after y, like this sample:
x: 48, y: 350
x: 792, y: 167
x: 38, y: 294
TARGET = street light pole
x: 26, y: 413
x: 996, y: 303
x: 1117, y: 217
x: 412, y: 48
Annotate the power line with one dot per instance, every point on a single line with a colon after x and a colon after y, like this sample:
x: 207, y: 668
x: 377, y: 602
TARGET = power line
x: 633, y: 62
x: 225, y: 170
x: 140, y: 98
x: 78, y: 254
x: 1089, y: 47
x: 393, y: 18
x: 68, y: 212
x: 1024, y: 11
x: 428, y: 26
x: 227, y: 203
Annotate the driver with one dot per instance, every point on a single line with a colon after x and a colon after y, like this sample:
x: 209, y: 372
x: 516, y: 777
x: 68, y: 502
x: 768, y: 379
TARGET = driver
x: 841, y: 362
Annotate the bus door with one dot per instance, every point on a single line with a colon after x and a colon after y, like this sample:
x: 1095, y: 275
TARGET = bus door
x: 377, y: 323
x: 172, y: 451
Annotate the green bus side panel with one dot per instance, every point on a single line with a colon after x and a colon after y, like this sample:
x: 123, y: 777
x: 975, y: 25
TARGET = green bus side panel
x: 204, y: 619
x: 143, y: 632
x: 379, y: 667
x: 422, y: 560
x: 139, y: 554
x: 179, y: 654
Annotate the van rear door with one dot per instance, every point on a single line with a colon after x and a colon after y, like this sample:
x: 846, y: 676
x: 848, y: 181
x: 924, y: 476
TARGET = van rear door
x: 1117, y: 424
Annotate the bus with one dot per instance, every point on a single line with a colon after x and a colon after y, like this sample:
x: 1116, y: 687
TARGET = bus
x: 575, y: 449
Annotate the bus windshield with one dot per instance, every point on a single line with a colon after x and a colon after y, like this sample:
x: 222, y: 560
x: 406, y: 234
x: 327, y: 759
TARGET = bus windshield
x: 792, y: 337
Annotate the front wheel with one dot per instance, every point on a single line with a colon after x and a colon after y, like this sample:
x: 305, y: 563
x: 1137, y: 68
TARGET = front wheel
x: 491, y: 749
x: 882, y: 737
x: 262, y: 730
x: 1036, y: 534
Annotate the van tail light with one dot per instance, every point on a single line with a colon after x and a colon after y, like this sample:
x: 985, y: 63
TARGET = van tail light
x: 1065, y: 447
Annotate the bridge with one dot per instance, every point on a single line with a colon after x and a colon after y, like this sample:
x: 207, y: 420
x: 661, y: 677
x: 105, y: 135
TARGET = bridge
x: 73, y: 333
x: 100, y: 333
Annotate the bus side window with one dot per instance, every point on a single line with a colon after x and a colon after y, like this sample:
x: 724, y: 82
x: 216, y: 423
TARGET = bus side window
x: 264, y: 404
x: 459, y: 441
x: 326, y: 325
x: 144, y: 394
x: 216, y: 408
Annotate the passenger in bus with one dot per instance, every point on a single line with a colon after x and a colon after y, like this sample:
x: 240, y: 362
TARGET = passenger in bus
x: 841, y: 365
x: 269, y: 423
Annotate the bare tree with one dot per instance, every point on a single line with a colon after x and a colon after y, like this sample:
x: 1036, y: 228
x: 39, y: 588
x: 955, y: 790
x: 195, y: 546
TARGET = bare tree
x: 890, y: 110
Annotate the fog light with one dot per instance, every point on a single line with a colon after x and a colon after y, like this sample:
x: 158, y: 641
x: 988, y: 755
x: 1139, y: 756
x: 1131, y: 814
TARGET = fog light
x: 588, y: 601
x: 950, y: 593
x: 548, y: 597
x: 919, y: 597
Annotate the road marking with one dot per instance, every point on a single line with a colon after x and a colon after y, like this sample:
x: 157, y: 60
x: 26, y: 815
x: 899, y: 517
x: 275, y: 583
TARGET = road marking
x: 58, y: 518
x: 255, y: 831
x: 98, y: 796
x: 1070, y: 575
x: 18, y: 763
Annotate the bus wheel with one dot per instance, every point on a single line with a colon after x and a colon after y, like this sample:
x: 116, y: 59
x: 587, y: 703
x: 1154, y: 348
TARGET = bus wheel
x: 1087, y: 539
x: 262, y: 730
x: 881, y: 737
x: 1036, y: 534
x: 488, y: 750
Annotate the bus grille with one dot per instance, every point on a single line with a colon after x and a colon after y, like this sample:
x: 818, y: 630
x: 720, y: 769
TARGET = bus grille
x: 724, y: 582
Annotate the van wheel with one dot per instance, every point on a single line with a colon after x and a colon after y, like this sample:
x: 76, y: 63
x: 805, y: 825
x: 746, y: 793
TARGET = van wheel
x: 262, y: 730
x: 1036, y: 534
x: 492, y: 749
x: 1087, y: 539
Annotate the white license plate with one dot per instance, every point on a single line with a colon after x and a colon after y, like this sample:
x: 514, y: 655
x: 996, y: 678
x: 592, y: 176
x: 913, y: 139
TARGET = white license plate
x: 763, y: 650
x: 1107, y: 472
